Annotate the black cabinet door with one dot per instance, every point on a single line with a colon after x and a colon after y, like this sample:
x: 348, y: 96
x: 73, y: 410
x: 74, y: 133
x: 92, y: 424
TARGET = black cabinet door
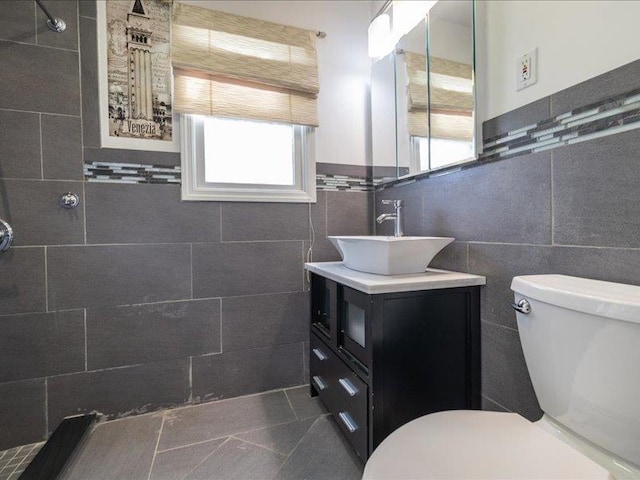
x: 424, y: 362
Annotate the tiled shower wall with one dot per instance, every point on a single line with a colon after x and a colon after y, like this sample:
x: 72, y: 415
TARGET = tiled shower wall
x: 574, y: 210
x: 135, y: 300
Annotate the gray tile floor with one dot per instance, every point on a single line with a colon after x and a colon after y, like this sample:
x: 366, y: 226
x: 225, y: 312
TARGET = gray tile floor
x: 281, y: 435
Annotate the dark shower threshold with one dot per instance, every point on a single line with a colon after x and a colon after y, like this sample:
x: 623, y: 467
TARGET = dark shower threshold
x: 56, y: 452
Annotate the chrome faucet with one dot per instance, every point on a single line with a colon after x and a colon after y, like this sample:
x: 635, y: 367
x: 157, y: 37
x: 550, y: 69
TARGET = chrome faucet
x: 396, y: 217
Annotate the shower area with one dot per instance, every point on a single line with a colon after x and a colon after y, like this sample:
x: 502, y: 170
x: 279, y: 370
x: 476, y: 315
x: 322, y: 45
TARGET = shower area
x: 119, y: 301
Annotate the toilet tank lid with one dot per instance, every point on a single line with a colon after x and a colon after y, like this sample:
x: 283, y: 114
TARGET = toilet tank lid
x: 606, y: 299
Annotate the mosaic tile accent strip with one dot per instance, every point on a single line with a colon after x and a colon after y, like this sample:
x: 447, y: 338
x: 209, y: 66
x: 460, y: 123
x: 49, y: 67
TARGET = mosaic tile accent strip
x: 15, y: 460
x: 130, y: 173
x: 613, y: 115
x: 138, y: 173
x: 343, y: 183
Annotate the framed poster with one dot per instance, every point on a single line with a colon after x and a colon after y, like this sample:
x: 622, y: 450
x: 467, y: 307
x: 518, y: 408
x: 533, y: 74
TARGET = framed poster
x: 135, y: 81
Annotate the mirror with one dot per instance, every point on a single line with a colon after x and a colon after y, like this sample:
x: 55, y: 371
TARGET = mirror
x: 422, y: 95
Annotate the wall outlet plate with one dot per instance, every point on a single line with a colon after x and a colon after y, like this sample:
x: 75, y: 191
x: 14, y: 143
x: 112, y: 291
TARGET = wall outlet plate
x: 527, y: 69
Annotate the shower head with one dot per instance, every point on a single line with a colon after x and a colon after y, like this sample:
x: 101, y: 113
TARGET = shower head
x: 54, y: 23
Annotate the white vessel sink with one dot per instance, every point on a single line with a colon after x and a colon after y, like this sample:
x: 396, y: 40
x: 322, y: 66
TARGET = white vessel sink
x: 389, y: 255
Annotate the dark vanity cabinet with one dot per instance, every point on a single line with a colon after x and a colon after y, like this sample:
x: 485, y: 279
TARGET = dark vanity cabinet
x: 379, y: 360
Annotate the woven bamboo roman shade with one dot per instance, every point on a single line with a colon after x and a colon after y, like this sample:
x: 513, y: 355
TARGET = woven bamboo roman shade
x: 451, y: 97
x: 231, y: 66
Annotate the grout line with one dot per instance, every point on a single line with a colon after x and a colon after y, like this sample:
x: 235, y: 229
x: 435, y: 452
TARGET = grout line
x: 190, y: 380
x: 161, y: 302
x: 302, y: 257
x: 552, y: 202
x: 35, y: 22
x: 194, y: 444
x: 78, y: 28
x: 185, y: 405
x: 297, y: 445
x: 114, y: 306
x: 289, y: 400
x: 4, y: 109
x: 306, y: 362
x: 18, y: 449
x: 554, y: 246
x: 46, y: 281
x: 493, y: 401
x: 46, y: 407
x: 227, y: 242
x: 233, y: 437
x: 166, y: 360
x: 289, y: 292
x: 468, y: 253
x: 20, y: 179
x: 86, y: 353
x: 155, y: 450
x: 38, y: 45
x: 144, y: 244
x: 119, y: 367
x: 221, y: 320
x: 15, y: 454
x: 84, y: 212
x: 326, y: 217
x: 205, y: 458
x: 15, y: 468
x: 22, y: 461
x: 41, y: 148
x: 191, y: 267
x: 499, y: 325
x: 264, y: 427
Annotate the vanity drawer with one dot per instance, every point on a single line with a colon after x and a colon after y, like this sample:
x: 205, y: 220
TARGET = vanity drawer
x: 353, y: 423
x: 334, y: 381
x: 351, y: 388
x: 321, y: 362
x: 323, y: 367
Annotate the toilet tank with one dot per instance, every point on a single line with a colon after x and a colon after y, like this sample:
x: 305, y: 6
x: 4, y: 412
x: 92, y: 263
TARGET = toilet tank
x: 581, y: 343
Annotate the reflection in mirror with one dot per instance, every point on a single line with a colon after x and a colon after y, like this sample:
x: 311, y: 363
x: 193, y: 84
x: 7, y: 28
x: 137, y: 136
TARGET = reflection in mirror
x: 383, y: 119
x: 412, y: 123
x: 451, y: 90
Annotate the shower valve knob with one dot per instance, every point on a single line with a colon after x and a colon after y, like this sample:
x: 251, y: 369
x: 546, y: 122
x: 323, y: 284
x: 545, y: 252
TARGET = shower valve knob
x: 6, y: 236
x: 69, y: 200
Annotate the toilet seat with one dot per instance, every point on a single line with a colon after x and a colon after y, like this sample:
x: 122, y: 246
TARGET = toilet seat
x: 469, y: 444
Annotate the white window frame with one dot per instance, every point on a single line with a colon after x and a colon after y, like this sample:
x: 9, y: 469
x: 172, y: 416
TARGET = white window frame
x: 195, y: 188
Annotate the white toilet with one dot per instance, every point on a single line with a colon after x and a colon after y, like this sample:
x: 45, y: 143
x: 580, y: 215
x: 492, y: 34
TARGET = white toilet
x: 581, y: 342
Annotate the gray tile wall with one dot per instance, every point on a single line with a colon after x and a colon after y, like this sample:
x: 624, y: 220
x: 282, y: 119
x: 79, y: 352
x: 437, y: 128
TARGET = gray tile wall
x: 572, y: 210
x: 136, y: 300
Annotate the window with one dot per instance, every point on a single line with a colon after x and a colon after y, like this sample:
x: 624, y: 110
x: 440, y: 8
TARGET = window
x: 267, y: 159
x: 247, y: 93
x: 243, y: 160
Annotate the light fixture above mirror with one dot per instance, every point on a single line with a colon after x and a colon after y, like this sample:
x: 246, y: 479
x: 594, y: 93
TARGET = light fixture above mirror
x: 395, y: 19
x: 380, y: 39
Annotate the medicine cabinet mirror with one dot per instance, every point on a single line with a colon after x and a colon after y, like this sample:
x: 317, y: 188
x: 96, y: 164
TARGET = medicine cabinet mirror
x: 423, y: 95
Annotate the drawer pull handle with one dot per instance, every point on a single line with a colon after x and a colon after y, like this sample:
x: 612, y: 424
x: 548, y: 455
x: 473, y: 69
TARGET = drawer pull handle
x: 319, y: 382
x: 348, y: 421
x: 348, y: 387
x: 320, y: 354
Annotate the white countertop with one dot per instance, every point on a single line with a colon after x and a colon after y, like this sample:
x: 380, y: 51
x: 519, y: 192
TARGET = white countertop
x: 370, y: 283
